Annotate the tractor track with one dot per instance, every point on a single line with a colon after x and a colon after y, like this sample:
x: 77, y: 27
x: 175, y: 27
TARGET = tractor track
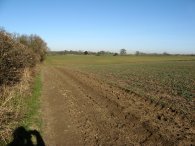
x: 80, y: 109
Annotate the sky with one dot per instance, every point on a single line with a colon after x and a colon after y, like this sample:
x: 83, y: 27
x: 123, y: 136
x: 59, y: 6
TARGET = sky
x: 94, y: 25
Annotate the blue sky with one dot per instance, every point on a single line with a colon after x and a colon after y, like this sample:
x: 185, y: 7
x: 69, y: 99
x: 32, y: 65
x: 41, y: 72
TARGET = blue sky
x: 144, y: 25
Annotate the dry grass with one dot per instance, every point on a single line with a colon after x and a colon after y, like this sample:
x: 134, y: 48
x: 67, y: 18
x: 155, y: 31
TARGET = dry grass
x: 12, y: 105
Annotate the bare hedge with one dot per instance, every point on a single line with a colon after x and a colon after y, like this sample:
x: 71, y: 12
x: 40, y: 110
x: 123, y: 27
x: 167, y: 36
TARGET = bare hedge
x: 36, y: 44
x: 15, y: 56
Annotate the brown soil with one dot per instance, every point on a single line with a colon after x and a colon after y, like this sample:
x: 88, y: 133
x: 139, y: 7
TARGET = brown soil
x: 79, y: 109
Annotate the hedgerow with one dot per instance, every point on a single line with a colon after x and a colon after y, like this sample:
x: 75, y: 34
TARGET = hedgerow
x: 19, y: 55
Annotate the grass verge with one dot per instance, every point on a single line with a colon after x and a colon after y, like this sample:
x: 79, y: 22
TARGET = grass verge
x: 19, y: 106
x: 32, y: 118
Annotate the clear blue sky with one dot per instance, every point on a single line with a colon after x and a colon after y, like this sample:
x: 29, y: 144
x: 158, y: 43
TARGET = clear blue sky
x: 144, y: 25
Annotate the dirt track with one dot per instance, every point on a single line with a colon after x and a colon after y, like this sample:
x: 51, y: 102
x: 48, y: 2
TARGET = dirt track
x: 79, y: 109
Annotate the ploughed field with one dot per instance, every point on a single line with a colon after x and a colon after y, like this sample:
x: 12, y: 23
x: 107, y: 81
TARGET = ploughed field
x: 119, y: 100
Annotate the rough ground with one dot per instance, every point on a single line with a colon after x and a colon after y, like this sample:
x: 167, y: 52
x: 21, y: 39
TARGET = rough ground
x: 79, y: 109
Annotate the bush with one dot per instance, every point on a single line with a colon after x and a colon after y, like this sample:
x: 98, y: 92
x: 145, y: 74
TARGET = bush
x: 14, y: 57
x: 86, y: 53
x: 36, y: 44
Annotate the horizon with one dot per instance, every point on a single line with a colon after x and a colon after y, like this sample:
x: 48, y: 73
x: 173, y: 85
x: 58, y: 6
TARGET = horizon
x: 118, y: 52
x: 147, y: 26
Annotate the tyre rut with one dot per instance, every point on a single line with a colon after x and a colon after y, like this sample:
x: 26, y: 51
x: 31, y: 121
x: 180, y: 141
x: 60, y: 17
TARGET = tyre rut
x: 100, y: 114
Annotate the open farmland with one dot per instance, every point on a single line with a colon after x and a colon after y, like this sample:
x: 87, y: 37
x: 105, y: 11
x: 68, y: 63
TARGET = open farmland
x: 119, y: 100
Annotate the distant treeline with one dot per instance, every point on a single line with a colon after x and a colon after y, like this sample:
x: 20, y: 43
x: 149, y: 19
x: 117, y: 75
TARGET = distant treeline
x: 65, y: 52
x: 160, y: 54
x: 18, y: 52
x: 122, y: 52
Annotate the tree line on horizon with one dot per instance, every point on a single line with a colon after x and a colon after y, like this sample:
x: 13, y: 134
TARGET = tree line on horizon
x: 122, y: 52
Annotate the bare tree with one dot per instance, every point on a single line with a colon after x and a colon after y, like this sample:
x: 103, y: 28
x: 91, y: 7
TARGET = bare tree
x: 123, y: 52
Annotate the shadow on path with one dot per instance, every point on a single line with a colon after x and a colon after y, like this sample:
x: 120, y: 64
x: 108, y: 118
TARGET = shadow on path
x: 22, y: 137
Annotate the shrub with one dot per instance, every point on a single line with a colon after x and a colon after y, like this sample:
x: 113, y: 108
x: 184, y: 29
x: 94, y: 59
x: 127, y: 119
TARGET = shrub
x: 86, y: 53
x: 36, y: 44
x: 14, y: 57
